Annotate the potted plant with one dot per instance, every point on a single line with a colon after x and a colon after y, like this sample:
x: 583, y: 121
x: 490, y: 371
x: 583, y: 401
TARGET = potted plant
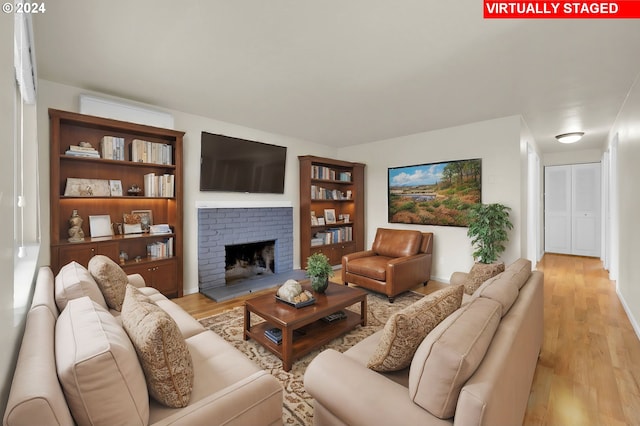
x: 488, y: 226
x: 319, y: 270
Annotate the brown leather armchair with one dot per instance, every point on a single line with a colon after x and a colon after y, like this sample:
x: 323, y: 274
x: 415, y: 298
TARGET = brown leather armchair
x: 398, y: 261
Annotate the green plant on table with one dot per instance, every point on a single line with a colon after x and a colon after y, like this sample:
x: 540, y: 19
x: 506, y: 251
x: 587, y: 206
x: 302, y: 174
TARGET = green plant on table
x: 319, y: 270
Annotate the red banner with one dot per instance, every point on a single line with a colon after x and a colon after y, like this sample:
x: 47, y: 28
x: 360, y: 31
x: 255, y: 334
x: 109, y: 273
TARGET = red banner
x: 624, y: 9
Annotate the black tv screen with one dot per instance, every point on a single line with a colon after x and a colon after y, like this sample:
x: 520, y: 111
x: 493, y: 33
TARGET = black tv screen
x: 240, y: 165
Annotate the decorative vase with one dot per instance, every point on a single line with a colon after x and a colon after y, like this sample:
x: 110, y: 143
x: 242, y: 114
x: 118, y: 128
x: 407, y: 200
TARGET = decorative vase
x: 319, y: 284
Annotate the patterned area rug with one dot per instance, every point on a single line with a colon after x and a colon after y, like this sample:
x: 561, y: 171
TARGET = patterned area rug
x: 298, y: 404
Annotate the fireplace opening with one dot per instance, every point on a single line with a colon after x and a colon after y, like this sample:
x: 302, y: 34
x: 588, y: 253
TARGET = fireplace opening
x: 244, y: 261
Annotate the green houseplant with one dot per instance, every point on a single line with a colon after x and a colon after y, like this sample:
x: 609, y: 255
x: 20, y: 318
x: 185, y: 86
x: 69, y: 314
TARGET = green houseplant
x: 319, y: 270
x: 488, y: 226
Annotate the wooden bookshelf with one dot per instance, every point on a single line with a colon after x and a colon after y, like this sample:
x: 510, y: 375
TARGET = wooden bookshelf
x: 334, y: 185
x: 69, y: 129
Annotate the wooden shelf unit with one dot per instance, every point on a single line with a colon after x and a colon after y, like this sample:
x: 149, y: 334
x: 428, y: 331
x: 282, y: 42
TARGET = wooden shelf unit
x: 68, y: 128
x: 328, y: 181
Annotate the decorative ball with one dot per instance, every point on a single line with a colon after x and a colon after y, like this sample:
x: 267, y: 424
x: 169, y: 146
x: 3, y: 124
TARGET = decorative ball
x: 289, y: 290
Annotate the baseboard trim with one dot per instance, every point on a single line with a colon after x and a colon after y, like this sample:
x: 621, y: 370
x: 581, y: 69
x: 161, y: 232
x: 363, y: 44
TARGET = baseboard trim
x: 632, y: 319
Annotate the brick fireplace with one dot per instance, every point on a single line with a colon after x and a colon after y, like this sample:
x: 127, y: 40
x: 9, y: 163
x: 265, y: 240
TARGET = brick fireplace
x: 222, y: 229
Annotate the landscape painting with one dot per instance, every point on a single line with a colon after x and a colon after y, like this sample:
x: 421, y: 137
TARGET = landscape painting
x: 435, y: 193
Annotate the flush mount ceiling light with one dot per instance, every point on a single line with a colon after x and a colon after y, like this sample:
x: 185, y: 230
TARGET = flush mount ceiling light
x: 570, y: 137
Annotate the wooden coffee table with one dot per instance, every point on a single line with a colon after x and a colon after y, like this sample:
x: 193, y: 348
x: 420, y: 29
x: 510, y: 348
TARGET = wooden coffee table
x: 311, y: 331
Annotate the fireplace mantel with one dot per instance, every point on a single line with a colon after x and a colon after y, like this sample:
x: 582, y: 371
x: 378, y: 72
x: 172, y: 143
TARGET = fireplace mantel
x: 249, y: 204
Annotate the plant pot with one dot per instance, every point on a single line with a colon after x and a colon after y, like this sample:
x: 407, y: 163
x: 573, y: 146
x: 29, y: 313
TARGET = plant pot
x: 319, y: 284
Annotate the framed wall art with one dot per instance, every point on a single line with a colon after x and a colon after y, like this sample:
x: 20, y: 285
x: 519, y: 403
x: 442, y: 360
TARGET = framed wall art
x: 434, y: 193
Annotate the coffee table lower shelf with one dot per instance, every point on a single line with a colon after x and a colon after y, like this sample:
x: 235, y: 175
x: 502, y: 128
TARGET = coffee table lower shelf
x: 303, y: 329
x: 307, y: 338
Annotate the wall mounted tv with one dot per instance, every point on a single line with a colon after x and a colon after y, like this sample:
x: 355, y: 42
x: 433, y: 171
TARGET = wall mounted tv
x: 239, y: 165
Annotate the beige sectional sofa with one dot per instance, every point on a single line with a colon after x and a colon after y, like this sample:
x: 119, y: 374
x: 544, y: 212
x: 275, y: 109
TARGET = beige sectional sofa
x: 474, y: 368
x: 103, y: 382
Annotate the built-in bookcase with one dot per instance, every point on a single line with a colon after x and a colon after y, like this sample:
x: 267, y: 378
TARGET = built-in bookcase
x: 129, y: 156
x: 331, y: 208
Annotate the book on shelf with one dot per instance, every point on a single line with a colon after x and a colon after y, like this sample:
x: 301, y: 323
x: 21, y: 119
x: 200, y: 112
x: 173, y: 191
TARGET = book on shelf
x: 161, y: 228
x: 333, y: 236
x: 320, y: 193
x: 87, y: 154
x: 159, y: 185
x: 160, y: 249
x: 112, y: 148
x: 151, y: 152
x: 274, y: 334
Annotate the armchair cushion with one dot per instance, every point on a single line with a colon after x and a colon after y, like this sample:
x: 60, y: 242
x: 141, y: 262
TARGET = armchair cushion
x: 374, y: 267
x: 396, y: 243
x: 405, y: 330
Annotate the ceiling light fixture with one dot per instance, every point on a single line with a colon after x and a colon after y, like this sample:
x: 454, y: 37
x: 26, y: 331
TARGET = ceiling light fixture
x: 570, y: 137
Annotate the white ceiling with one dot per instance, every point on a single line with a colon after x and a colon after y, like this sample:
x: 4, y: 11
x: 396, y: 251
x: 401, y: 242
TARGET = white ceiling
x: 345, y: 72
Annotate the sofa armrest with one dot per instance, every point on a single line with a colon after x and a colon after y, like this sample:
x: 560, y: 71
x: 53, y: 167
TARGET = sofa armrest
x: 360, y: 396
x: 257, y: 399
x: 458, y: 278
x: 136, y: 280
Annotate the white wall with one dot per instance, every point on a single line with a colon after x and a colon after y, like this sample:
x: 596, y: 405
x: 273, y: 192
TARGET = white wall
x: 627, y: 128
x: 497, y: 142
x: 59, y: 96
x: 572, y: 157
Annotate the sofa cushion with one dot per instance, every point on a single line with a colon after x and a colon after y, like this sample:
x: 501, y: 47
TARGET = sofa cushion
x: 98, y: 367
x: 164, y: 355
x: 519, y: 271
x: 481, y: 272
x: 405, y: 329
x: 450, y: 354
x: 396, y: 242
x: 75, y: 281
x: 111, y: 279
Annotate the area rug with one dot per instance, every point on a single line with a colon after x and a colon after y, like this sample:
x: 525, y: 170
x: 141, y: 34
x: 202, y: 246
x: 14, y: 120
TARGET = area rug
x: 298, y: 404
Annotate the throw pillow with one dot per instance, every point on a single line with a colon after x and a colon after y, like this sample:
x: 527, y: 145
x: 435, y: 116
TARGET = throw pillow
x: 98, y: 368
x: 162, y: 350
x: 111, y: 279
x: 74, y: 281
x: 405, y: 329
x: 480, y: 272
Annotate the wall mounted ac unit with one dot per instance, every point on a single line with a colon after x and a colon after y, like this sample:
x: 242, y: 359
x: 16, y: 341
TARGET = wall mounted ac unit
x: 24, y: 58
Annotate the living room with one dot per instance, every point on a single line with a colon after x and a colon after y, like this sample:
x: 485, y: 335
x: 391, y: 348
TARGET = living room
x: 499, y: 139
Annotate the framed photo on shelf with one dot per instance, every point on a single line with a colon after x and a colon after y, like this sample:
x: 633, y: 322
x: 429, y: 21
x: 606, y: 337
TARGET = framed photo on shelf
x: 100, y: 226
x: 115, y: 186
x: 330, y: 216
x: 77, y: 187
x: 146, y: 218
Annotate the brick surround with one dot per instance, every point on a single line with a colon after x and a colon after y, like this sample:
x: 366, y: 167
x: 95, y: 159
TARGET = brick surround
x: 218, y: 227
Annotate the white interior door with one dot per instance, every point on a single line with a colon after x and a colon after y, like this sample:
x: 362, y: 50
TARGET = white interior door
x: 585, y: 235
x: 557, y: 209
x: 572, y: 209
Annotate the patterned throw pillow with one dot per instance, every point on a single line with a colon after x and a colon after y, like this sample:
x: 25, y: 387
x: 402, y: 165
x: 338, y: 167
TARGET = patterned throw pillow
x: 405, y: 329
x: 111, y: 279
x: 163, y: 353
x: 480, y: 272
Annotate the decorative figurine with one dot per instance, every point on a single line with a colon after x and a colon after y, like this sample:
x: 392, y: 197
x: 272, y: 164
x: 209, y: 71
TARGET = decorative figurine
x: 75, y: 228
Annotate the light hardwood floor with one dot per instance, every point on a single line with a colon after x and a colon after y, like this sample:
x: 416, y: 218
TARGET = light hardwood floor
x: 588, y: 372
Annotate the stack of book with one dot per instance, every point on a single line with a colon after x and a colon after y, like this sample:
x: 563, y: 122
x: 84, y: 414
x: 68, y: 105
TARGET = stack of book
x: 160, y: 249
x: 82, y: 151
x: 151, y: 152
x: 274, y: 334
x: 112, y: 148
x: 159, y: 185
